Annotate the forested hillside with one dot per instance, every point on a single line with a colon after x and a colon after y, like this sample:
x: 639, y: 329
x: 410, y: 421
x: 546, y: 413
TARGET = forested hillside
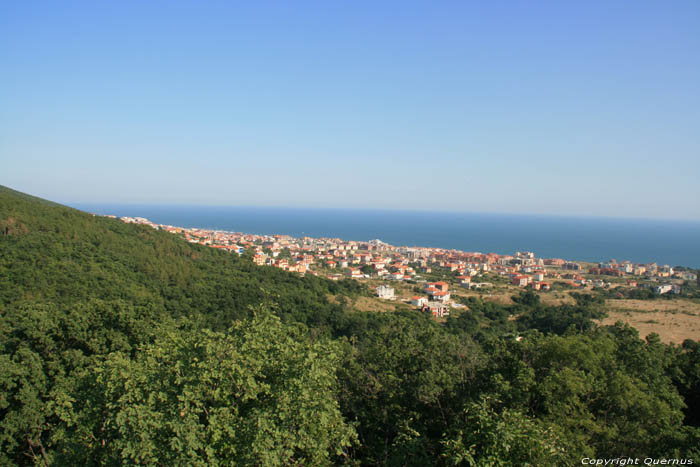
x: 122, y: 344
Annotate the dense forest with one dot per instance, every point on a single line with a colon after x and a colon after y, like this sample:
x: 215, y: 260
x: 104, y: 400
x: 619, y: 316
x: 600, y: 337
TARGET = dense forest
x: 122, y: 344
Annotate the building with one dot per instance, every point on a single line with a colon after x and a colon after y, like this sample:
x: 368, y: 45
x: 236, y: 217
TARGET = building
x: 441, y: 286
x: 437, y: 309
x: 442, y: 297
x: 354, y: 273
x: 385, y: 292
x: 605, y: 272
x: 521, y: 280
x: 688, y: 276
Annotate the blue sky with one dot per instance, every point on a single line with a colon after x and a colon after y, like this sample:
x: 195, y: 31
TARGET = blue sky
x: 586, y: 108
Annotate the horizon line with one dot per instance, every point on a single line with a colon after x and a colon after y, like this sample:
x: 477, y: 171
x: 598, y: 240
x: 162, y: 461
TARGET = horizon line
x: 384, y: 209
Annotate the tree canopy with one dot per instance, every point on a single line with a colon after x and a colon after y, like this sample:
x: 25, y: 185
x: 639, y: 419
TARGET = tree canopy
x: 121, y: 344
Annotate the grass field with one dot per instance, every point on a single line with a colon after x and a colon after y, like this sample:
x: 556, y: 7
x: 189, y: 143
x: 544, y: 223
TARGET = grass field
x: 671, y: 327
x: 673, y: 320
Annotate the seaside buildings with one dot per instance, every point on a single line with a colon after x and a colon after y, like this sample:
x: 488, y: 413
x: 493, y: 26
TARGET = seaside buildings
x: 335, y: 258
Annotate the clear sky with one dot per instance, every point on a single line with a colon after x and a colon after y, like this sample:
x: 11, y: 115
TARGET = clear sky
x: 589, y: 107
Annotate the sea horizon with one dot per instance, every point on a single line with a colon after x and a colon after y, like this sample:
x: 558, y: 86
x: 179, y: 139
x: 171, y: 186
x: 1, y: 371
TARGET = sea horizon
x: 575, y: 238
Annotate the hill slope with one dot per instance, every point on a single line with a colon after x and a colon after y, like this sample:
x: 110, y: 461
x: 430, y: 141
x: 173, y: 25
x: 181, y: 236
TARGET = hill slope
x: 57, y: 254
x: 121, y: 344
x: 77, y: 288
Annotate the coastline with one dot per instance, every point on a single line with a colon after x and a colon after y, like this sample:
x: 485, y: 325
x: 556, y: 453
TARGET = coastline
x: 586, y: 239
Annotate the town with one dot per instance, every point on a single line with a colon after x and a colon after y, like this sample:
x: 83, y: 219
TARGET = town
x: 384, y: 265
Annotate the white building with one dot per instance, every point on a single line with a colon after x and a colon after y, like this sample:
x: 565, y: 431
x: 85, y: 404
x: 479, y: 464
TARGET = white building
x: 438, y: 309
x: 385, y: 292
x: 662, y: 289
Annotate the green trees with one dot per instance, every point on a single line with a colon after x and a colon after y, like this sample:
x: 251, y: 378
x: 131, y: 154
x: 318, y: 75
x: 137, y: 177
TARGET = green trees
x: 403, y: 380
x: 687, y: 379
x: 260, y: 394
x: 486, y: 436
x: 603, y: 391
x: 120, y: 344
x: 558, y: 319
x: 45, y: 350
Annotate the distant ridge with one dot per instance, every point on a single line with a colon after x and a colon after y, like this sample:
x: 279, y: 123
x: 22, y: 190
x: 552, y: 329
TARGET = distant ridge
x: 18, y: 194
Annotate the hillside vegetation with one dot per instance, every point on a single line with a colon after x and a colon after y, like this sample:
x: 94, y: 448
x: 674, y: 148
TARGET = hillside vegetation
x: 121, y: 344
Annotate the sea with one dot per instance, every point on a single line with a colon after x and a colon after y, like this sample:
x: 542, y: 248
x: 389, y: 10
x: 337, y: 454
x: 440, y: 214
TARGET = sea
x: 672, y: 242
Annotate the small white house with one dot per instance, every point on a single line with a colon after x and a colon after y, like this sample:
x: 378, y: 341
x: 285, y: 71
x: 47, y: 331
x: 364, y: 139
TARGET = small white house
x: 662, y: 289
x: 385, y: 292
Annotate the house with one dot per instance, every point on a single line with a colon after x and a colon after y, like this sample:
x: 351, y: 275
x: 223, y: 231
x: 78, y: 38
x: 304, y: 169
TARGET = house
x: 354, y: 273
x: 419, y: 302
x: 442, y: 297
x: 385, y: 292
x: 521, y: 280
x: 440, y: 286
x: 687, y: 276
x: 663, y: 288
x: 436, y: 309
x: 605, y: 272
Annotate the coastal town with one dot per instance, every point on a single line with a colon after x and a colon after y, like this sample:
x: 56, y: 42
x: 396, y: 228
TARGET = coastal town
x: 435, y: 275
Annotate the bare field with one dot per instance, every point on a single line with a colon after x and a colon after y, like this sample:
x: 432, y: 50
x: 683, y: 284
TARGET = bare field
x: 503, y: 296
x: 646, y: 306
x: 556, y: 298
x: 374, y: 304
x: 673, y: 320
x: 671, y: 327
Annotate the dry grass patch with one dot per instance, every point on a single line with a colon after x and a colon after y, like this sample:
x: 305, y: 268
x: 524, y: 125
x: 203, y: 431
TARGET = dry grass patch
x: 374, y: 304
x: 646, y: 306
x: 671, y: 327
x: 556, y: 298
